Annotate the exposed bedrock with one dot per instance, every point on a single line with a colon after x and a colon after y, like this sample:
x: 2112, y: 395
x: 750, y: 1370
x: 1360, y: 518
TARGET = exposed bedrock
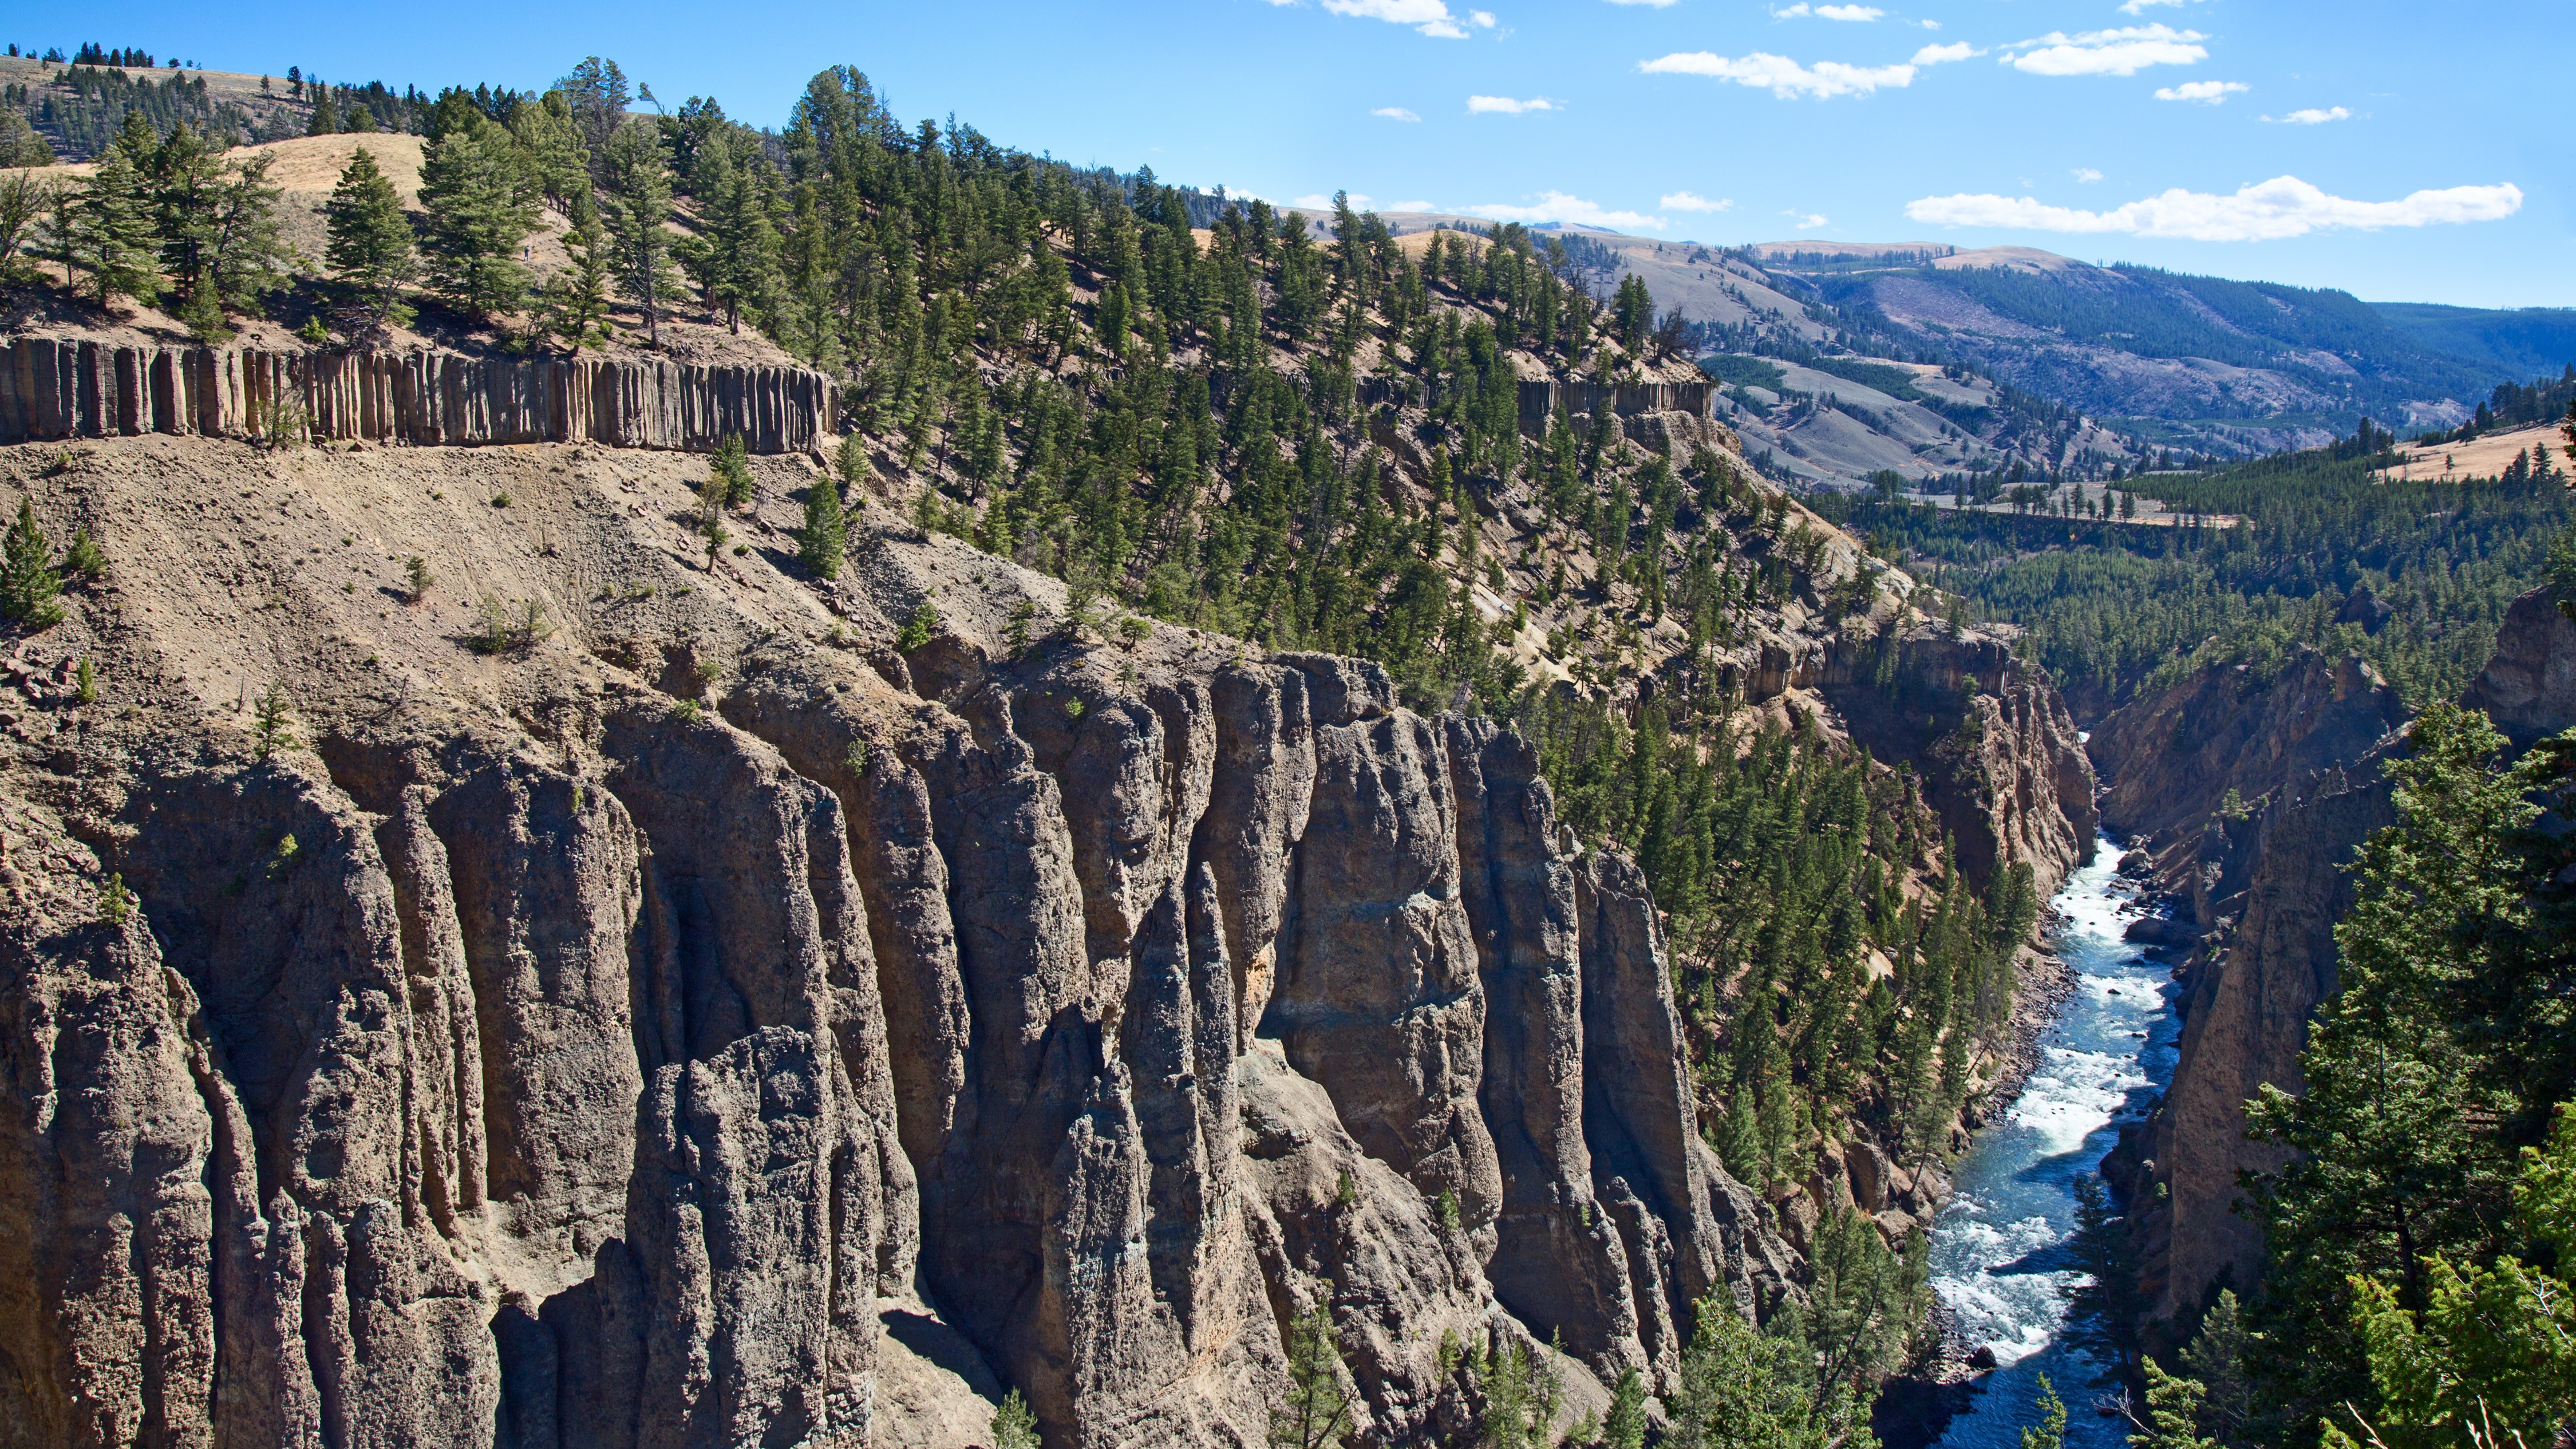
x: 2000, y: 758
x: 623, y: 1083
x: 2303, y: 750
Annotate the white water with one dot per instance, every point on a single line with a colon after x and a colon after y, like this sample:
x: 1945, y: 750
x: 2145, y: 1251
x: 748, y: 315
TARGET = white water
x: 1998, y: 1245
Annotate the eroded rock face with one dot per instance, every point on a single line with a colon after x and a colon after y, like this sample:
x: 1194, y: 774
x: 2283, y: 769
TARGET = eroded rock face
x: 469, y: 1092
x: 2001, y: 759
x: 2172, y: 758
x: 2268, y: 889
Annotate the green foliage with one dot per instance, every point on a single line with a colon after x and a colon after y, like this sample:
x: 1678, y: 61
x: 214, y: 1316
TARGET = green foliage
x: 1013, y: 1426
x: 2113, y: 609
x: 370, y: 248
x: 1317, y: 1412
x: 85, y: 681
x: 1742, y: 1388
x: 29, y: 588
x: 918, y: 629
x: 2050, y: 1431
x: 83, y: 556
x: 730, y: 471
x: 636, y: 187
x: 481, y: 193
x: 573, y: 305
x: 819, y: 543
x: 270, y: 732
x: 2491, y: 1355
x: 1522, y: 1392
x: 111, y: 232
x: 115, y: 902
x: 2448, y: 1044
x: 2103, y: 1304
x: 503, y: 627
x: 1625, y: 1428
x: 417, y: 578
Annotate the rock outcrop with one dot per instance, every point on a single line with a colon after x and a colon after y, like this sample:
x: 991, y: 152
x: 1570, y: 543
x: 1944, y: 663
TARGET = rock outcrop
x: 2264, y: 891
x: 68, y: 388
x: 706, y: 1025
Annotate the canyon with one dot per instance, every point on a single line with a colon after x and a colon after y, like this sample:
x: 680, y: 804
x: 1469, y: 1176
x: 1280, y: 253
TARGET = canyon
x: 2248, y: 792
x: 728, y: 1006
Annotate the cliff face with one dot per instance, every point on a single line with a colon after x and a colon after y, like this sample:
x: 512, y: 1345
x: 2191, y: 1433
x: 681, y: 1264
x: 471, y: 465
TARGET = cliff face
x: 73, y: 388
x: 692, y: 1022
x: 2264, y: 894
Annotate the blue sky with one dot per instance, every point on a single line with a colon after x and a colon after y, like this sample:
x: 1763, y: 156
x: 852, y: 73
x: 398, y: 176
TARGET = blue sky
x: 2403, y: 151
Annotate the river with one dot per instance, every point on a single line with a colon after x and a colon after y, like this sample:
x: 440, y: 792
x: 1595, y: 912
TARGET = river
x: 1998, y: 1246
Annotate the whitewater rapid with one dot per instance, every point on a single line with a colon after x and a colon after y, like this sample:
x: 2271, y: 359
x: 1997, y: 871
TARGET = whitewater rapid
x: 1999, y: 1245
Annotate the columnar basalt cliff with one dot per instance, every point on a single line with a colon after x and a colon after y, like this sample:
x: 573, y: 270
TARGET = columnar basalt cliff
x: 695, y: 1022
x: 2256, y: 897
x: 72, y: 388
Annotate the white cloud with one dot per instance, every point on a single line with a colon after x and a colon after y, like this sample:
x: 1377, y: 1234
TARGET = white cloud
x: 1507, y: 106
x: 1558, y: 206
x: 1861, y: 14
x: 2140, y: 7
x: 1431, y: 17
x: 2311, y: 117
x: 1687, y: 201
x: 1481, y: 19
x: 2087, y: 175
x: 2284, y: 206
x: 2124, y: 51
x: 1409, y: 206
x: 2207, y: 93
x: 1944, y: 54
x: 1810, y: 221
x: 1395, y: 113
x: 1782, y: 76
x: 1929, y: 24
x: 1658, y: 4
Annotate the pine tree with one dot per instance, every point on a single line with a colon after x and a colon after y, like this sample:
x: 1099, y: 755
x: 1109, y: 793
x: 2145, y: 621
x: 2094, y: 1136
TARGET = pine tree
x: 1013, y: 1426
x: 819, y: 543
x: 2050, y: 1431
x: 638, y: 190
x: 1317, y: 1411
x: 2174, y: 1411
x: 730, y: 471
x: 29, y: 587
x: 370, y: 243
x: 111, y: 232
x: 326, y: 115
x: 576, y: 298
x: 743, y: 245
x: 481, y: 197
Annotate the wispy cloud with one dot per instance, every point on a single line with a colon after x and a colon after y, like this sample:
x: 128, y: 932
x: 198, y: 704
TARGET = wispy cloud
x: 1782, y: 76
x: 2124, y: 51
x: 1944, y: 54
x: 1658, y: 4
x: 2311, y: 117
x: 2140, y: 7
x: 1809, y: 221
x: 2086, y: 175
x: 1395, y: 113
x: 1688, y: 201
x: 1861, y: 14
x: 1431, y: 17
x: 2271, y: 210
x: 1559, y: 206
x: 1507, y: 106
x: 2207, y: 93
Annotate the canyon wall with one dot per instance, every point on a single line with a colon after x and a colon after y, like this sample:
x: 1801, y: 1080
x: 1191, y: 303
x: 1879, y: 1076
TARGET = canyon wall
x: 2256, y: 898
x: 80, y: 389
x: 701, y: 1023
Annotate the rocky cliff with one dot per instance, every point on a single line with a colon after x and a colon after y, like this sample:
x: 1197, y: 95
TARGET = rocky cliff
x: 2260, y: 895
x: 673, y: 1015
x: 76, y: 388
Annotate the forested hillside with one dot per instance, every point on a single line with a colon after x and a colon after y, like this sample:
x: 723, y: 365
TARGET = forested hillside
x: 2415, y: 576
